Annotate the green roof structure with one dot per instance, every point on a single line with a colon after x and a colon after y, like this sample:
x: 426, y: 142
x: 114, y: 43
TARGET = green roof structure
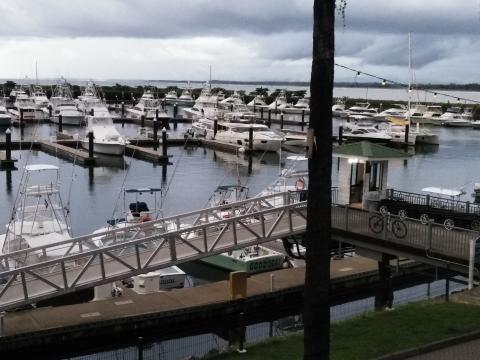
x: 365, y: 150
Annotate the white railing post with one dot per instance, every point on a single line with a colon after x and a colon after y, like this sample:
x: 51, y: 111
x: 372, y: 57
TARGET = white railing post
x: 471, y: 263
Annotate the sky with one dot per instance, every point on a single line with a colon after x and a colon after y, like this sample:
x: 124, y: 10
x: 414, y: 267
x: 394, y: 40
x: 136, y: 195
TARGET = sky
x: 242, y: 40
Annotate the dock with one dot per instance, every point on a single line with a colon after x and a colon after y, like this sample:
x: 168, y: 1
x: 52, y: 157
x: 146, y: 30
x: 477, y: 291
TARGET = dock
x: 147, y: 154
x: 180, y: 312
x: 76, y: 154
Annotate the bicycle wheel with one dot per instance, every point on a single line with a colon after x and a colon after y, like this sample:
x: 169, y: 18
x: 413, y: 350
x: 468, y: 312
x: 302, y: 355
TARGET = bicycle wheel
x: 399, y: 229
x: 376, y: 223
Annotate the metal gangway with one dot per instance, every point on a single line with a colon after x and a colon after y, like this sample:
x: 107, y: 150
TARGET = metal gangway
x: 33, y: 274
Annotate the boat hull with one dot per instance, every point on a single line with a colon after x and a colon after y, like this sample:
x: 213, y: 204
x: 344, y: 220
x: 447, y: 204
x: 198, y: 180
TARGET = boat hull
x: 75, y: 120
x: 105, y: 148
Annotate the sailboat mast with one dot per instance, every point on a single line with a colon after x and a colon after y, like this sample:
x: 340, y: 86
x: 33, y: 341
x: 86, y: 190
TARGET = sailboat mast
x: 36, y: 74
x: 409, y: 75
x: 210, y: 78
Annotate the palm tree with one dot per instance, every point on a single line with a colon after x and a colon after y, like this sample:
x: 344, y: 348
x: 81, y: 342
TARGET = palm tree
x: 317, y: 277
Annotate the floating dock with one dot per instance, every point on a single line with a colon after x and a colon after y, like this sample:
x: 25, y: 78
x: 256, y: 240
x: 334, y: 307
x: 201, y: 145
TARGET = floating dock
x: 72, y: 329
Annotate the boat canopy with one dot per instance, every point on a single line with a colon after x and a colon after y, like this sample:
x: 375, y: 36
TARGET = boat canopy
x: 40, y: 167
x: 442, y: 191
x: 142, y: 190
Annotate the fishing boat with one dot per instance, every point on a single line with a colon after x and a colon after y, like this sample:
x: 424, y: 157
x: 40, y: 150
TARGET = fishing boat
x: 370, y: 133
x: 39, y: 97
x: 148, y: 107
x: 23, y: 104
x: 5, y: 118
x: 106, y: 138
x: 62, y: 104
x: 39, y: 217
x: 171, y: 96
x: 257, y: 103
x: 186, y: 97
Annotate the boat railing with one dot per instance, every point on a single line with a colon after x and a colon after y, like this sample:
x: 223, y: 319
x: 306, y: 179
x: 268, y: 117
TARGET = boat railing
x: 434, y: 201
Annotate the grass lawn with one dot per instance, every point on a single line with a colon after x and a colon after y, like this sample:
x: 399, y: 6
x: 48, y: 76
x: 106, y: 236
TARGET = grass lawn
x: 376, y: 334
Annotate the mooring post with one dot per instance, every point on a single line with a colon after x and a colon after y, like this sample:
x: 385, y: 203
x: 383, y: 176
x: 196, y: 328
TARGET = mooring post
x: 340, y: 135
x: 384, y: 298
x: 50, y: 112
x: 215, y: 128
x: 155, y: 131
x: 261, y: 113
x: 142, y: 121
x: 140, y: 348
x: 8, y: 145
x: 156, y: 114
x: 60, y: 123
x: 250, y: 139
x: 164, y: 142
x: 254, y: 107
x: 272, y: 282
x: 2, y: 324
x: 241, y: 344
x: 269, y: 117
x: 123, y: 114
x: 175, y: 110
x: 281, y: 120
x: 163, y: 104
x: 21, y: 117
x: 407, y: 130
x: 92, y: 112
x: 164, y: 173
x: 90, y: 144
x: 471, y: 263
x: 447, y: 287
x: 303, y: 118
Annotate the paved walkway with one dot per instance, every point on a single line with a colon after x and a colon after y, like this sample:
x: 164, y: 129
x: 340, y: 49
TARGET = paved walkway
x: 465, y: 351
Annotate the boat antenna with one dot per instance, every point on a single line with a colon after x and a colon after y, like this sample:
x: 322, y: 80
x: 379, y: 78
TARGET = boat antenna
x: 210, y: 79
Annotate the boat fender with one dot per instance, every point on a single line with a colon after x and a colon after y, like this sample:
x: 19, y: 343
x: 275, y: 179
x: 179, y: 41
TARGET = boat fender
x: 300, y: 184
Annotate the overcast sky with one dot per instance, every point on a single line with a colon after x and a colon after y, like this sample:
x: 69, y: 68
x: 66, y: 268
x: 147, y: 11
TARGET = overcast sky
x: 241, y: 39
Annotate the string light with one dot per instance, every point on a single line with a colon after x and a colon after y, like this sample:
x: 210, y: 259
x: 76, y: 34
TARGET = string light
x: 384, y: 81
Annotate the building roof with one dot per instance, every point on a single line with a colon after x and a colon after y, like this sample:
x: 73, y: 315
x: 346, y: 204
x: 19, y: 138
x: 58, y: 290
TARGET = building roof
x: 365, y: 150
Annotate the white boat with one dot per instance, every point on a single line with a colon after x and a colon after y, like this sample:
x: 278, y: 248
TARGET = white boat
x: 264, y: 139
x: 398, y: 110
x: 361, y: 111
x: 106, y: 138
x: 416, y: 114
x: 415, y: 135
x: 206, y: 105
x: 186, y: 97
x: 475, y: 124
x: 432, y: 114
x: 39, y: 219
x: 338, y: 109
x: 280, y: 100
x: 171, y: 96
x: 370, y: 133
x: 23, y: 103
x: 39, y: 97
x: 5, y: 117
x: 294, y: 137
x: 90, y: 99
x: 303, y: 103
x: 453, y: 119
x: 148, y: 107
x: 63, y: 104
x: 257, y: 103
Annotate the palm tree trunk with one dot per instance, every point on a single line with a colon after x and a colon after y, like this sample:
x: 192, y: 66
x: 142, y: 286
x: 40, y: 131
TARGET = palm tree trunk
x: 317, y: 278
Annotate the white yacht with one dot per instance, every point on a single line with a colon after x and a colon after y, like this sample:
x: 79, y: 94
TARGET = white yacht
x: 257, y: 103
x: 415, y: 114
x: 415, y: 135
x: 171, y: 96
x: 361, y: 111
x: 23, y: 103
x: 63, y: 104
x: 264, y: 139
x: 40, y: 217
x: 338, y: 109
x: 370, y: 133
x: 398, y: 110
x: 107, y: 140
x: 206, y: 105
x: 280, y: 100
x: 90, y: 98
x: 5, y: 118
x: 186, y: 97
x: 39, y: 97
x: 294, y: 137
x: 303, y: 103
x: 147, y: 106
x: 453, y: 119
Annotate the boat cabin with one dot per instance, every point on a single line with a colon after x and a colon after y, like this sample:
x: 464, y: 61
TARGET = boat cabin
x: 363, y: 173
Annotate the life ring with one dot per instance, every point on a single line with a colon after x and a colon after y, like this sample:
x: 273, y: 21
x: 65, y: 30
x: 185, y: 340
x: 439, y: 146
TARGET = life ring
x: 144, y: 218
x: 300, y: 184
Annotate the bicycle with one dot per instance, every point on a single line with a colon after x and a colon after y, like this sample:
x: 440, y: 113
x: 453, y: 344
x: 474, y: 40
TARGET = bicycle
x: 376, y: 223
